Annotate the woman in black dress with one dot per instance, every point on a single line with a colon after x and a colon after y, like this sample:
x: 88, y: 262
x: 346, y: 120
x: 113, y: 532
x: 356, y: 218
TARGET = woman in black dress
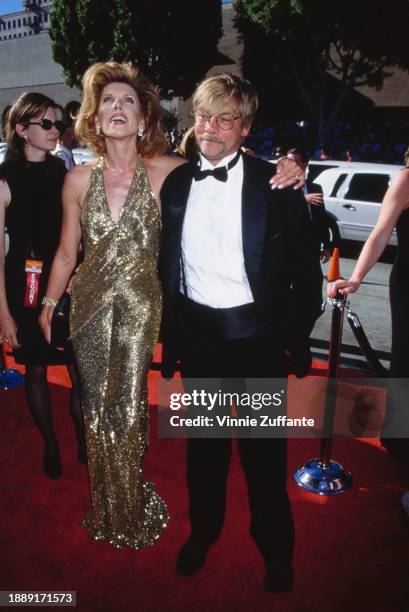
x: 394, y: 213
x: 30, y: 209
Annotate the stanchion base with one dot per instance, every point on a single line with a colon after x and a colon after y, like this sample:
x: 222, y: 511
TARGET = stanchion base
x: 9, y: 379
x: 323, y: 478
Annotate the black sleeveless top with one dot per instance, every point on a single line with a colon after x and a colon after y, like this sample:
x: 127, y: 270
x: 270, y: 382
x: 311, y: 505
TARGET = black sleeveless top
x: 399, y: 296
x: 402, y: 255
x: 33, y: 222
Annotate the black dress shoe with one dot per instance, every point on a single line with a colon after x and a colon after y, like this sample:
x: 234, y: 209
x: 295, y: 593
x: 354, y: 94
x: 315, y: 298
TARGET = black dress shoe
x: 191, y: 558
x: 52, y: 463
x: 279, y: 577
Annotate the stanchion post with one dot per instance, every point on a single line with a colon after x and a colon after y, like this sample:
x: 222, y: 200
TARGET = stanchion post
x: 334, y: 354
x: 368, y: 352
x: 323, y: 475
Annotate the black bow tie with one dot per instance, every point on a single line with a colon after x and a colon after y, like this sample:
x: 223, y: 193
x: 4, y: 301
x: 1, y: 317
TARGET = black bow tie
x: 220, y: 174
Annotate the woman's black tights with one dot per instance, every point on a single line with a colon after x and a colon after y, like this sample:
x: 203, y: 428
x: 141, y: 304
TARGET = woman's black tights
x: 39, y: 402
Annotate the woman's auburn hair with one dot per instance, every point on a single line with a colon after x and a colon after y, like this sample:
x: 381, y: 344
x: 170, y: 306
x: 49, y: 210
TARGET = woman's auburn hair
x: 153, y: 141
x: 27, y: 106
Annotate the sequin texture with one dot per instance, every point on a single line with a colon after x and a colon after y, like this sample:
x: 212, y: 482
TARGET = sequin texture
x: 115, y: 317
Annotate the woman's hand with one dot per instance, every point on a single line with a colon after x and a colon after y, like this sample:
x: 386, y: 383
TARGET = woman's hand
x: 45, y: 322
x: 8, y: 331
x: 288, y: 173
x: 343, y: 286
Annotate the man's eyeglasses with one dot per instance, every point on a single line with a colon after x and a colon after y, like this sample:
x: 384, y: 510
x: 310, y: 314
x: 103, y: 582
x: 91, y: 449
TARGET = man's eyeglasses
x: 224, y: 121
x: 47, y: 124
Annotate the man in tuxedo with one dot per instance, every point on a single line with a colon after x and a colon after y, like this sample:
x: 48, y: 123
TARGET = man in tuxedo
x: 242, y: 290
x: 325, y: 228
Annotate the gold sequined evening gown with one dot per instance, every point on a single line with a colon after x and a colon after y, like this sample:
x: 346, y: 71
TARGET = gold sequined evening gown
x: 115, y: 317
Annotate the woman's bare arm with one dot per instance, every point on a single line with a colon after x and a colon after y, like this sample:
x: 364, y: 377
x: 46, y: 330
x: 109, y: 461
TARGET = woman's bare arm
x: 8, y: 327
x: 66, y: 255
x: 394, y: 203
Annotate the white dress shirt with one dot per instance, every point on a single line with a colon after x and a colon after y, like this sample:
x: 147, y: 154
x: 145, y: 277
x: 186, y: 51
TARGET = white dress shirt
x: 212, y: 244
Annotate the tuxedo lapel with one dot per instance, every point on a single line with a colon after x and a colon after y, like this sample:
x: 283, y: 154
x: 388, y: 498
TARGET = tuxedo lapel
x: 254, y: 217
x: 175, y: 218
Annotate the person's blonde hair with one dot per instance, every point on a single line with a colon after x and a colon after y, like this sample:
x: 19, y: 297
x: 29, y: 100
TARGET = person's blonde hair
x: 153, y: 141
x: 188, y: 146
x: 28, y: 106
x: 216, y: 91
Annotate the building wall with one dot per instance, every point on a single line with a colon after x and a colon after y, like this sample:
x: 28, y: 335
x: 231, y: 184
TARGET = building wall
x: 26, y: 64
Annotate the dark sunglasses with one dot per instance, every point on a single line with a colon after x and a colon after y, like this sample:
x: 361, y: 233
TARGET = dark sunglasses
x: 47, y: 124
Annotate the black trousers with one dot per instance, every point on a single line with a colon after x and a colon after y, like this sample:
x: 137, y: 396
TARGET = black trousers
x: 263, y: 460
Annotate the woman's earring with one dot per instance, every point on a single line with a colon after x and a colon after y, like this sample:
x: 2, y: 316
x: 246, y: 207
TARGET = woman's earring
x: 98, y: 129
x: 140, y: 131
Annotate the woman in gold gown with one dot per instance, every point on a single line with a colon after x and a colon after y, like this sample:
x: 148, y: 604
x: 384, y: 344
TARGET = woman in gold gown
x: 110, y: 205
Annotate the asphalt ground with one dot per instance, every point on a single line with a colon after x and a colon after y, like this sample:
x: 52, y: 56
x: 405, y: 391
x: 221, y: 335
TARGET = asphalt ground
x: 370, y: 303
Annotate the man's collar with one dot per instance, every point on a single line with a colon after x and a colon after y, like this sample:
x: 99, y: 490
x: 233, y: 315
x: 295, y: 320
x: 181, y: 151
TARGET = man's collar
x: 206, y: 165
x: 219, y: 172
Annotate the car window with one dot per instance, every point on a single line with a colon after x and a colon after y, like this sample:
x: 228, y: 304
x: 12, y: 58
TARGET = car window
x: 367, y: 187
x: 315, y: 169
x: 337, y: 185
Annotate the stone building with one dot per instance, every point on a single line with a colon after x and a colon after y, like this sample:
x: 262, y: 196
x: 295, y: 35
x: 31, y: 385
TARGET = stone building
x: 34, y: 19
x: 26, y: 62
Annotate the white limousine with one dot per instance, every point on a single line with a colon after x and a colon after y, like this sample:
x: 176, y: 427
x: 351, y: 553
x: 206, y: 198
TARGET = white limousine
x: 353, y: 194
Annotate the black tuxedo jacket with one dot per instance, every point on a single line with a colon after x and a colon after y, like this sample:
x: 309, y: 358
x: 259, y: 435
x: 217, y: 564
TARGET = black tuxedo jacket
x: 278, y: 247
x: 325, y: 227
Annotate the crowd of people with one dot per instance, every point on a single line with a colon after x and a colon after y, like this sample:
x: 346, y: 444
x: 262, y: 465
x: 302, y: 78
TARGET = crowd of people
x: 384, y: 143
x: 217, y: 239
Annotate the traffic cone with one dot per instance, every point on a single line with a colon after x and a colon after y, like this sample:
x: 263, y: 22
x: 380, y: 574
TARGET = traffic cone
x: 333, y: 270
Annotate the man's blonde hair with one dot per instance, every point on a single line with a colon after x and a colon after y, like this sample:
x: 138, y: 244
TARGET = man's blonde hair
x: 216, y: 91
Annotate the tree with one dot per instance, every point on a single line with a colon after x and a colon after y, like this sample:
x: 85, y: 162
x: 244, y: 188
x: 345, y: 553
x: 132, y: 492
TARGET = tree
x: 175, y: 43
x: 356, y: 41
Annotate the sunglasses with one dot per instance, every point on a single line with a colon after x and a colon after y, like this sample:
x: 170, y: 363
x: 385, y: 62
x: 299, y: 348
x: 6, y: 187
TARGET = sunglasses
x: 47, y: 124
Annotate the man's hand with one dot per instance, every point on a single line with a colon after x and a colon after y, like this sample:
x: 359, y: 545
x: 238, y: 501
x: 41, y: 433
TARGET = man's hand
x: 71, y: 282
x: 316, y: 199
x: 288, y: 174
x: 325, y: 255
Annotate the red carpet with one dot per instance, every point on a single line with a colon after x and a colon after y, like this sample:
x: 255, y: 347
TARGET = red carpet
x: 352, y: 550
